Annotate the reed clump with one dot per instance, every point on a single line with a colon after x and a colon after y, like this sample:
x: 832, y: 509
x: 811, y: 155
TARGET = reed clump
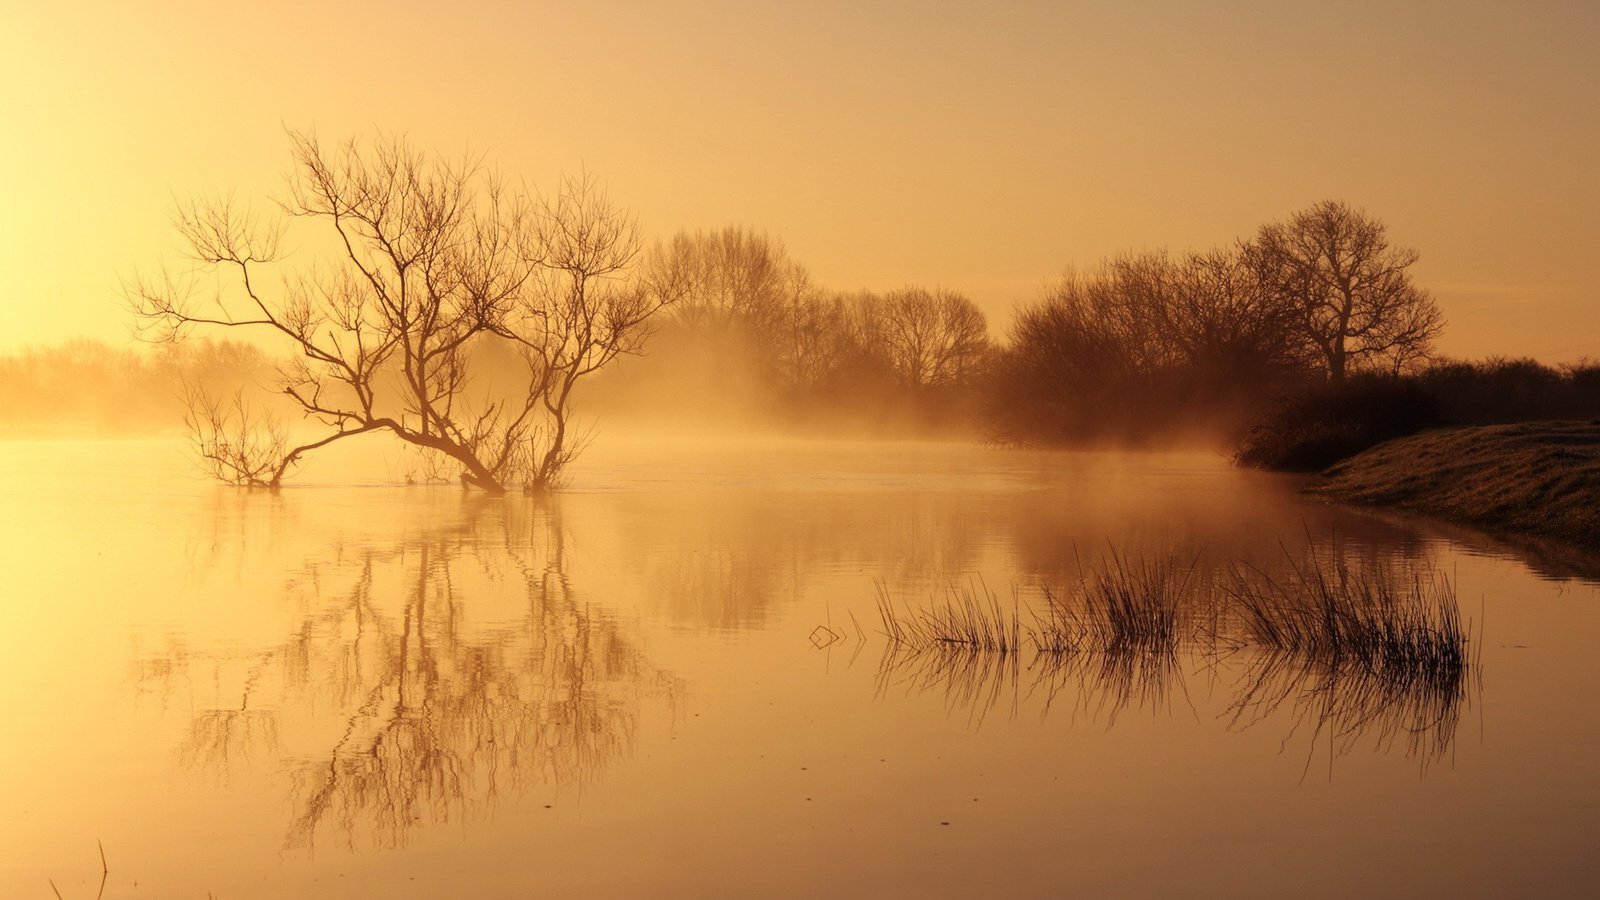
x: 972, y: 619
x: 1370, y: 650
x: 1401, y: 625
x: 1122, y: 606
x: 1116, y: 635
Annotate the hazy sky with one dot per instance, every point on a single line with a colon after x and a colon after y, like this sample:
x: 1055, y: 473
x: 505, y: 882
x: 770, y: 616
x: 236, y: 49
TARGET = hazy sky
x: 980, y: 146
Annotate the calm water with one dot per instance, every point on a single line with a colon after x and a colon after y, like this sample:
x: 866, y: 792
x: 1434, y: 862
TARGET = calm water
x: 670, y: 681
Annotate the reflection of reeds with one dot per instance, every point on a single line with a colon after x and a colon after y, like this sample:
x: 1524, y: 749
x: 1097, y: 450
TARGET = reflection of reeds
x: 965, y: 648
x: 1373, y: 651
x: 1376, y: 651
x: 1109, y: 681
x: 972, y: 681
x: 1347, y: 702
x: 975, y: 681
x: 1116, y: 637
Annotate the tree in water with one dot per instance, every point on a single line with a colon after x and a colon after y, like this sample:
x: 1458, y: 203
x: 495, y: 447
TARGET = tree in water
x: 1355, y: 302
x: 435, y: 266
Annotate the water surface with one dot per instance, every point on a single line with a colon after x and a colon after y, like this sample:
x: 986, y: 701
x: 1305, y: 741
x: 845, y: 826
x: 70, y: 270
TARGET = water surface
x: 670, y: 681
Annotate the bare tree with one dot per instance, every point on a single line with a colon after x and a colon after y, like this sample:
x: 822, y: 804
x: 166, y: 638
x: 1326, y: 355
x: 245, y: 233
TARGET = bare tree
x: 1228, y: 327
x: 730, y: 276
x: 432, y: 259
x: 933, y: 338
x: 233, y: 442
x: 589, y: 312
x: 1355, y: 300
x: 739, y: 291
x: 821, y: 341
x: 1145, y: 342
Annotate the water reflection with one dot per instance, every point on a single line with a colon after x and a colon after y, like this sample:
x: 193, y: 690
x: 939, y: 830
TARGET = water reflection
x: 731, y: 561
x: 1354, y: 649
x: 425, y: 678
x: 1096, y: 686
x: 1345, y: 706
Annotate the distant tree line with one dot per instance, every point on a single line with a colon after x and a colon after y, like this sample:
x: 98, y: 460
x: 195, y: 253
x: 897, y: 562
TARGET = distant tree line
x: 1142, y: 347
x: 753, y: 334
x: 90, y: 385
x: 1309, y: 337
x: 1150, y: 345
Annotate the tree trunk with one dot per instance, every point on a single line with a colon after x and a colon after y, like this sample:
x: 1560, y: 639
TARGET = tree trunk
x: 1336, y: 364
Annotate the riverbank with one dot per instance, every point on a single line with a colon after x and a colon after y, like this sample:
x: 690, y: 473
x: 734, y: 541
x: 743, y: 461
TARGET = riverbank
x: 1540, y: 478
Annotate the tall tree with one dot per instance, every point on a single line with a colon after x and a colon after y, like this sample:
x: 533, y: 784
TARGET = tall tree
x: 732, y: 276
x: 1355, y: 302
x: 932, y: 338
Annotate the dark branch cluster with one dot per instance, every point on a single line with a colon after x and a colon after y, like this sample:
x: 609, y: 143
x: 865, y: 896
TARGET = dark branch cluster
x: 429, y: 261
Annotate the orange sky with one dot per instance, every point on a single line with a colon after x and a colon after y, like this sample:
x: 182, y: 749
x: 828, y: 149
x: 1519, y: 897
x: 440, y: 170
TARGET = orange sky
x: 983, y: 147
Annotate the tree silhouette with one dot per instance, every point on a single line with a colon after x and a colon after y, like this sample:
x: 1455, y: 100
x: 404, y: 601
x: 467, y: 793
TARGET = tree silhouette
x: 432, y: 260
x: 1352, y: 292
x: 933, y: 338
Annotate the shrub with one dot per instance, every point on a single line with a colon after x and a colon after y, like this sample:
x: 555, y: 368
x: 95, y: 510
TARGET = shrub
x: 1317, y: 427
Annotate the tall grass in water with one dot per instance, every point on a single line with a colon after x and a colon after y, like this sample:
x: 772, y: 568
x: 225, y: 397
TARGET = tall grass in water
x: 1116, y: 636
x: 1403, y: 624
x: 1121, y: 606
x: 971, y: 619
x: 1372, y: 652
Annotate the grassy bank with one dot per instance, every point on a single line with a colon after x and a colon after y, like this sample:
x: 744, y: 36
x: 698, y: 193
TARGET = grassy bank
x: 1536, y: 477
x: 1325, y: 423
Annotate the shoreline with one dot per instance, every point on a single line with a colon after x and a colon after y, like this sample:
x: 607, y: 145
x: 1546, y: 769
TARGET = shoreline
x: 1531, y: 478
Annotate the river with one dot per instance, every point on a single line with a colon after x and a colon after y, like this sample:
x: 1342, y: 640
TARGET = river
x: 671, y: 680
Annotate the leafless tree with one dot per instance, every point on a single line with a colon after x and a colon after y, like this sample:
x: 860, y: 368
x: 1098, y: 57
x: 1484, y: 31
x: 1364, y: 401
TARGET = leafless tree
x: 730, y: 276
x: 233, y: 442
x: 824, y: 341
x: 589, y: 310
x: 432, y: 258
x: 1144, y: 342
x: 1356, y: 303
x: 740, y: 294
x: 1226, y: 325
x: 933, y: 338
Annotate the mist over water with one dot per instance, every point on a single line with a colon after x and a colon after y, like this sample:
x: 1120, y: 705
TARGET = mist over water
x: 752, y: 450
x: 672, y: 678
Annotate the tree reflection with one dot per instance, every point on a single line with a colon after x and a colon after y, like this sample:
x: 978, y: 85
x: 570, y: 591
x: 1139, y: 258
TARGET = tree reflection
x: 463, y: 665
